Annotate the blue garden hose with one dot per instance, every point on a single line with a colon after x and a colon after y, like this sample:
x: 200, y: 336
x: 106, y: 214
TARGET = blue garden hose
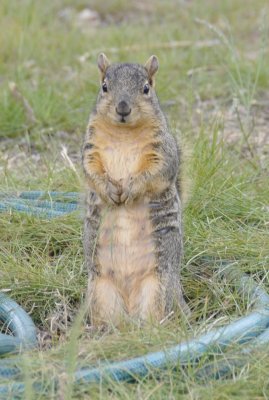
x: 251, y: 330
x: 45, y: 205
x: 19, y: 323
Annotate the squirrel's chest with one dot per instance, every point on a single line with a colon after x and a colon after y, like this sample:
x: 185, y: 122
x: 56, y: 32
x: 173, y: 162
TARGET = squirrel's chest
x: 120, y: 160
x: 121, y: 152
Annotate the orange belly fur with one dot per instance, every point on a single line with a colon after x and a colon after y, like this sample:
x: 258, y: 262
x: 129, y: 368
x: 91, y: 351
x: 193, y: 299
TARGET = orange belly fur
x: 125, y: 248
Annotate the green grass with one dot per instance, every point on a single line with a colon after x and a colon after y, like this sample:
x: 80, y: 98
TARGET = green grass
x: 226, y: 165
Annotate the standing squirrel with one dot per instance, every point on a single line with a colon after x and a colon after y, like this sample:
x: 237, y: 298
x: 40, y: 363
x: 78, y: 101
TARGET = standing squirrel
x: 133, y: 227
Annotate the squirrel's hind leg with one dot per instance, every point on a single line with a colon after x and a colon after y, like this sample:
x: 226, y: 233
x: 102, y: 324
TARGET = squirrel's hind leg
x: 105, y: 304
x: 146, y: 300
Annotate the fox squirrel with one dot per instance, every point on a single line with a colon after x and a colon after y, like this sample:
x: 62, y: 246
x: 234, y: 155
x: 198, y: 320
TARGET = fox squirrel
x: 133, y: 228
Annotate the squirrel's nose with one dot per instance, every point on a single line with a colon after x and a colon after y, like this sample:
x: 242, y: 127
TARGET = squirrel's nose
x: 123, y: 109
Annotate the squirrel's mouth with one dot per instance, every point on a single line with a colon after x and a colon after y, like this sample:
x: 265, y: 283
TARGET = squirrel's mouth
x: 123, y: 120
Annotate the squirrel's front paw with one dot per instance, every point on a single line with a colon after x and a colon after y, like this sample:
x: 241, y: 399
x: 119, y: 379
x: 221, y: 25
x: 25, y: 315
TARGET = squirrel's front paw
x: 114, y: 190
x: 131, y: 190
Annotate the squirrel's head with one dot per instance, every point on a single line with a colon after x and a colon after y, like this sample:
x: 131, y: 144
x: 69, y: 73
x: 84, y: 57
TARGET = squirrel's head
x: 127, y: 94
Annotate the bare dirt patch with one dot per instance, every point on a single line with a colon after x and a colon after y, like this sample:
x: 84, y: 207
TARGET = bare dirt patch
x: 237, y: 125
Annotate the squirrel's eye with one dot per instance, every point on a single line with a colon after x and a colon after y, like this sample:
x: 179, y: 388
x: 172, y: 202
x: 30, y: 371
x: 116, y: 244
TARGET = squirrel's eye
x: 146, y: 88
x: 104, y: 87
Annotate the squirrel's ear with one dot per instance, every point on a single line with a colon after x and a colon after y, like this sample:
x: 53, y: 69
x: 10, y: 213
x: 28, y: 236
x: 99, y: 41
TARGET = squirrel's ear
x: 103, y: 63
x: 152, y: 66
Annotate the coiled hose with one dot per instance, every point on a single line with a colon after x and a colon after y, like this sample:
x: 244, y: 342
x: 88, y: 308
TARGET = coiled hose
x: 252, y: 329
x: 16, y: 320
